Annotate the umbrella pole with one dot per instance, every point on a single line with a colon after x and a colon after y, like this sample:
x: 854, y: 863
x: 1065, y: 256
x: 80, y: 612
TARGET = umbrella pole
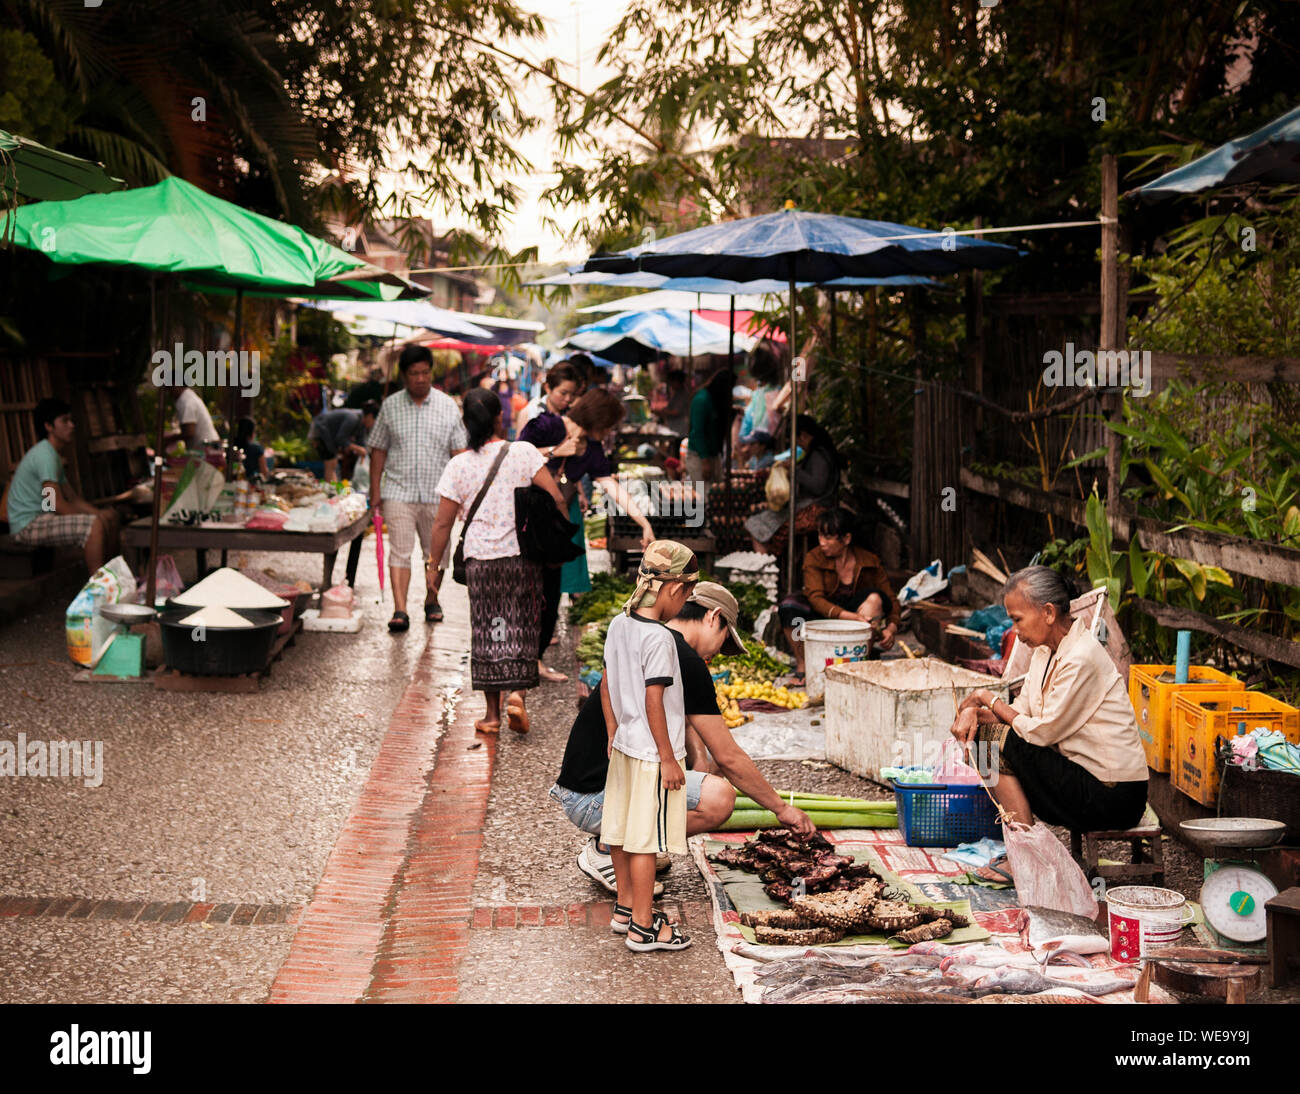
x: 160, y: 422
x: 233, y: 402
x: 726, y: 441
x: 794, y: 433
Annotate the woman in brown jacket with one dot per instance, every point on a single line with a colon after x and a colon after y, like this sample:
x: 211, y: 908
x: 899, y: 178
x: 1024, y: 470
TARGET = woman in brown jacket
x: 840, y: 581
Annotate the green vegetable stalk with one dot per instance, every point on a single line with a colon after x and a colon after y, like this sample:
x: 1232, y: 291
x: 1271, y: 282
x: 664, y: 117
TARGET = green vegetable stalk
x: 825, y: 802
x: 743, y: 820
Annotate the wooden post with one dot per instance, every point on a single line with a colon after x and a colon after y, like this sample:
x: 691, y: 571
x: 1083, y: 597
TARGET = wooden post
x: 864, y: 418
x: 1110, y: 322
x: 975, y: 315
x: 922, y: 498
x: 159, y: 455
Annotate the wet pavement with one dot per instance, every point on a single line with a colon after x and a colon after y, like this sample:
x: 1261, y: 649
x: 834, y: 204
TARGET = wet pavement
x: 222, y: 799
x: 207, y: 868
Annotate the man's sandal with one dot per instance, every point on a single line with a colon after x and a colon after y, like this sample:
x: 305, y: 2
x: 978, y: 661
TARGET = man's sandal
x: 614, y: 924
x: 643, y: 940
x: 432, y: 611
x: 400, y: 622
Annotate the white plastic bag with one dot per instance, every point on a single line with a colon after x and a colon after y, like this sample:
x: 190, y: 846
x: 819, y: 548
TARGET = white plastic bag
x: 924, y: 583
x: 1045, y: 874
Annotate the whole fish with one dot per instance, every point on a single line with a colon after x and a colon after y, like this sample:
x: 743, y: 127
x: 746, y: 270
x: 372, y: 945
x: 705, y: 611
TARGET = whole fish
x: 1045, y: 931
x: 867, y: 995
x: 1012, y: 980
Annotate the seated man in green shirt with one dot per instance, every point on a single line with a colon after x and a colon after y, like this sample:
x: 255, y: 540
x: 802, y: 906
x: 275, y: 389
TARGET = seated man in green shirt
x: 43, y: 506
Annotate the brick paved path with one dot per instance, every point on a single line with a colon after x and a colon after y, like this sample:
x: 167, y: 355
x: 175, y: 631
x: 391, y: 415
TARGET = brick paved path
x: 394, y: 915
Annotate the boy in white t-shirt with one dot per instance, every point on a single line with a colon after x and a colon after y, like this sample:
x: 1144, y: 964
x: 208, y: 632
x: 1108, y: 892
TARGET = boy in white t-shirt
x: 641, y: 695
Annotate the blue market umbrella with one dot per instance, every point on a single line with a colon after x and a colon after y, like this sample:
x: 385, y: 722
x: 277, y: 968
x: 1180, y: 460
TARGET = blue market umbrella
x: 722, y: 286
x: 797, y: 246
x: 1271, y: 154
x: 639, y: 337
x: 794, y: 245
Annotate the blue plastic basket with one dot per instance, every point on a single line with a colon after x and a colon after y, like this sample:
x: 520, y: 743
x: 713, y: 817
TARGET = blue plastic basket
x: 941, y: 815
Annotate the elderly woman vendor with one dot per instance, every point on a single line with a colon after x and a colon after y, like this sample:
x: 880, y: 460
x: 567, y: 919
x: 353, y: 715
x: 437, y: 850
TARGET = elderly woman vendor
x: 1068, y: 748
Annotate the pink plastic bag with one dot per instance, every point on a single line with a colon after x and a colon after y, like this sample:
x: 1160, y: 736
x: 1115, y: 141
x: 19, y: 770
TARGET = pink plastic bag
x: 1046, y: 876
x: 167, y: 579
x: 270, y: 520
x: 953, y: 768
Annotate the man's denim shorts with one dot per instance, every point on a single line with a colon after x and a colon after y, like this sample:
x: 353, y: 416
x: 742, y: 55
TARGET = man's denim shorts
x: 586, y: 810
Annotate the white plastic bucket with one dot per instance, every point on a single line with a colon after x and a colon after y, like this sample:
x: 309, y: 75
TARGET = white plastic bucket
x: 1144, y: 918
x: 832, y: 642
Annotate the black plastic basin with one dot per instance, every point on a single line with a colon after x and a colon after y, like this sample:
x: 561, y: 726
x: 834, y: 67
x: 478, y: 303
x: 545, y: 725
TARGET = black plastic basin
x: 221, y: 651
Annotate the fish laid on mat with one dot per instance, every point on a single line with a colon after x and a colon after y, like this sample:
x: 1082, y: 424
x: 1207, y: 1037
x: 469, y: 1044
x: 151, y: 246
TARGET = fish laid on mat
x: 1046, y: 931
x: 1018, y: 980
x: 1047, y: 998
x: 866, y: 995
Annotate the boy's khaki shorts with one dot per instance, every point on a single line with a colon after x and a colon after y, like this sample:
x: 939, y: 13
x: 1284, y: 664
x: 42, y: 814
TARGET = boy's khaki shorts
x: 640, y: 815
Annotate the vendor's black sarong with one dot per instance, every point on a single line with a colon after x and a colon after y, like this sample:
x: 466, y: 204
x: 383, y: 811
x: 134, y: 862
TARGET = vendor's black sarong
x: 1062, y: 792
x: 505, y: 612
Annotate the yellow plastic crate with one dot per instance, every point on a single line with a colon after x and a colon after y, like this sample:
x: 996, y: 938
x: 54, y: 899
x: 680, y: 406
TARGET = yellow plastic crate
x: 1200, y: 718
x: 1152, y: 700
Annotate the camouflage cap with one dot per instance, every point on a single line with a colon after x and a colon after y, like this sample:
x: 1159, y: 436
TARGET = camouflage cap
x: 664, y: 560
x: 665, y: 557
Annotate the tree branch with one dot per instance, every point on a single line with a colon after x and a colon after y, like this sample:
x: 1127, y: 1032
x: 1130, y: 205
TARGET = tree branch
x: 1031, y: 415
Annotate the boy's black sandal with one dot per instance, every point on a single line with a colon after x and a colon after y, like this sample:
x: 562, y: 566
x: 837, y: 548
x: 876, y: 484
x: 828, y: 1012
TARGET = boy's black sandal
x: 643, y: 940
x: 614, y: 925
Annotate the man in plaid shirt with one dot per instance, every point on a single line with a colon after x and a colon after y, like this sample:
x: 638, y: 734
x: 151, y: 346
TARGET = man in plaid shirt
x: 418, y: 430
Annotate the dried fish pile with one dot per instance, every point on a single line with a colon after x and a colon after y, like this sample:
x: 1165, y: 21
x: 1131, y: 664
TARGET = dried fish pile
x: 829, y: 895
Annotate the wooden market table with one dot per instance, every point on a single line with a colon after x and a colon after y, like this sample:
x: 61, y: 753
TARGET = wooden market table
x: 135, y: 536
x: 665, y: 444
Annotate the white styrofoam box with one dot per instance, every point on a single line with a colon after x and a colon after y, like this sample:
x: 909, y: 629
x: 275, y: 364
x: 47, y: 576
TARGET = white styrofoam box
x: 311, y: 621
x: 895, y: 713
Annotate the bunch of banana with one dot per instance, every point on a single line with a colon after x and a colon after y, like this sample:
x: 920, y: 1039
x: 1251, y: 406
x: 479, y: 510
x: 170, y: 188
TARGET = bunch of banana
x: 767, y: 690
x: 727, y: 707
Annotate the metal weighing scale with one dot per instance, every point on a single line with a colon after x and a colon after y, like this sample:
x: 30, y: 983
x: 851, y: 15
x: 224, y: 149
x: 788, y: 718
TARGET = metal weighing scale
x: 1235, y: 889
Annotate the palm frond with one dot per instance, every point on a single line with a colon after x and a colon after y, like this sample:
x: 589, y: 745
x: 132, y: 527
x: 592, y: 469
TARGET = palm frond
x: 122, y: 155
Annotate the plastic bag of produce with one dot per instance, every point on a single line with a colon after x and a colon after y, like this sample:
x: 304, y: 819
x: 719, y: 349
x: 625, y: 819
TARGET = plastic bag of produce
x: 167, y: 580
x: 336, y: 603
x: 1046, y: 876
x: 777, y: 490
x: 270, y: 520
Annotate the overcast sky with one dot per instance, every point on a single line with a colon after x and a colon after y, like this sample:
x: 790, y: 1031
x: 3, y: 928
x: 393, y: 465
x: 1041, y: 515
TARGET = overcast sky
x: 576, y: 29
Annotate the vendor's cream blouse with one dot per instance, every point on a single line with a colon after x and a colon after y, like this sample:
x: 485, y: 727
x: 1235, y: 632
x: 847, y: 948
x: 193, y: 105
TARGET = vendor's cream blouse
x: 1082, y: 708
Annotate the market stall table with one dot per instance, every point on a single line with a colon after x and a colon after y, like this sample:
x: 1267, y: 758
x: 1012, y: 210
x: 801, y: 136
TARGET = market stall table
x: 203, y: 538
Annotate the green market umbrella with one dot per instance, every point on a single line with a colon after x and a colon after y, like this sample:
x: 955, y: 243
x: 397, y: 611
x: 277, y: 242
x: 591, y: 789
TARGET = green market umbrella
x: 174, y: 227
x: 31, y: 172
x: 212, y: 244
